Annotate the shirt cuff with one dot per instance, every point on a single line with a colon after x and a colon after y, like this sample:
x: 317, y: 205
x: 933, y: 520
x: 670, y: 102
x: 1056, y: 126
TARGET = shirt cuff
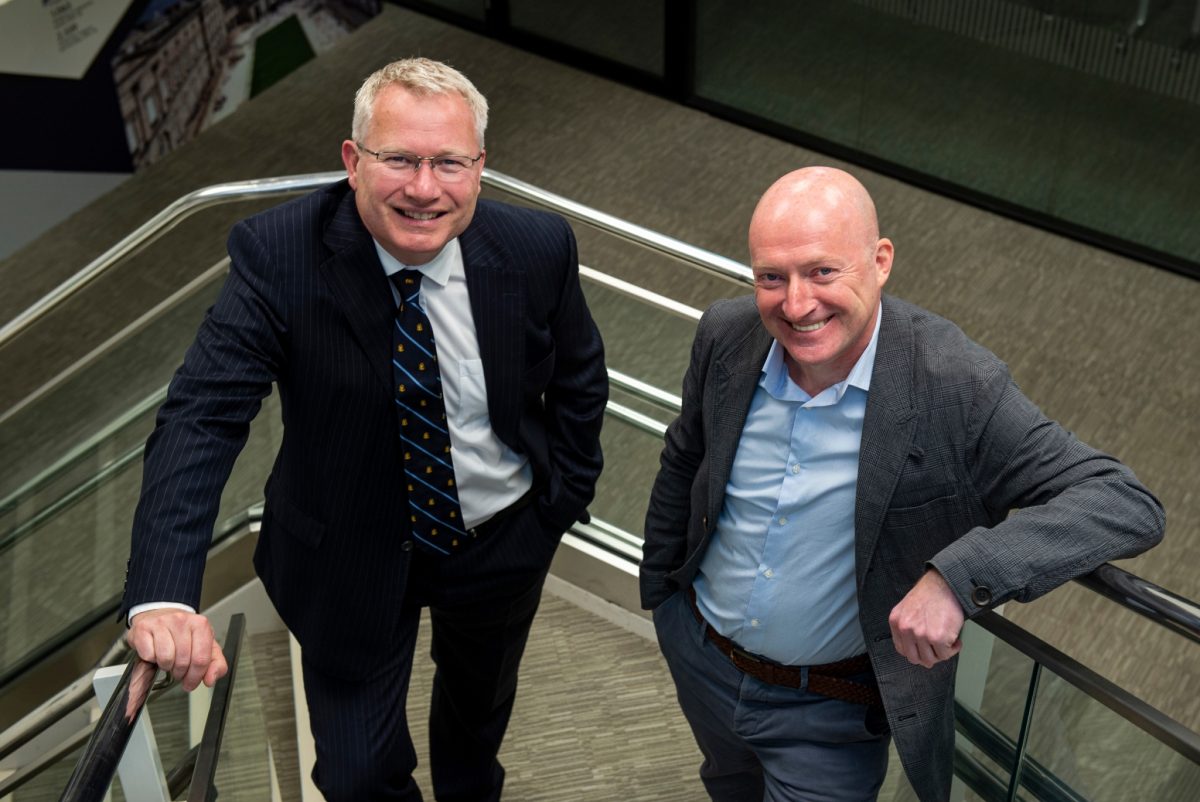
x: 142, y: 608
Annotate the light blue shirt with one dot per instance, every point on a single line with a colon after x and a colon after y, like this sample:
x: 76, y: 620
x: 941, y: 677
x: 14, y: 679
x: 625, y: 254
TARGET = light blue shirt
x: 778, y: 575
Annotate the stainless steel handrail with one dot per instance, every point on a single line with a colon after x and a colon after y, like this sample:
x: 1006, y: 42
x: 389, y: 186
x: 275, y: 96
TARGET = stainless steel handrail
x: 155, y: 227
x: 705, y: 260
x: 133, y: 413
x: 121, y: 337
x: 193, y: 202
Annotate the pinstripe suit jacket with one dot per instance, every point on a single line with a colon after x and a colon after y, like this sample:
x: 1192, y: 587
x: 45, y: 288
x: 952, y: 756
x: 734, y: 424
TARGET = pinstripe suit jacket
x: 307, y: 306
x: 950, y: 447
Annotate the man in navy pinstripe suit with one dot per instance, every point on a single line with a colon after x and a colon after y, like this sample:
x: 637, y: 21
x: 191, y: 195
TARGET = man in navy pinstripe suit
x: 849, y: 478
x: 309, y: 306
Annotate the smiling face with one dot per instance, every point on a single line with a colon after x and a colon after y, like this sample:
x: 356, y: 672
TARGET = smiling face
x: 413, y: 215
x: 819, y: 270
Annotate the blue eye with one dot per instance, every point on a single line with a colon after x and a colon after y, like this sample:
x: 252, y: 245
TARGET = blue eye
x: 451, y: 164
x: 399, y: 160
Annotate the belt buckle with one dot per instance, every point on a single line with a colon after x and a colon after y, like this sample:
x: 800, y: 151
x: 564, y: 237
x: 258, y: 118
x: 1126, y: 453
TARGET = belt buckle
x: 738, y: 653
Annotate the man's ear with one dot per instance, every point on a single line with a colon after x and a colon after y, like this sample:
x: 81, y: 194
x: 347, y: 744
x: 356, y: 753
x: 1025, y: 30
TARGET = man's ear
x: 350, y: 159
x: 884, y: 253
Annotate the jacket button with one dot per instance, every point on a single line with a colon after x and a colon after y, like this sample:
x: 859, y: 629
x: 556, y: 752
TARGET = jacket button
x: 981, y: 596
x: 406, y: 545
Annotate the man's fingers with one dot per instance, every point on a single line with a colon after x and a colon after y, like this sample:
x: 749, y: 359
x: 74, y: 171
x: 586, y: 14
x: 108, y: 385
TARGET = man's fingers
x: 164, y: 650
x: 199, y: 653
x: 178, y: 642
x: 217, y: 667
x: 183, y: 654
x: 946, y: 652
x: 141, y: 642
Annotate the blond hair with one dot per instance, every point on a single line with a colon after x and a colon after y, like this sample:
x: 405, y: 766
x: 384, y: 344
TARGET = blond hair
x: 421, y: 76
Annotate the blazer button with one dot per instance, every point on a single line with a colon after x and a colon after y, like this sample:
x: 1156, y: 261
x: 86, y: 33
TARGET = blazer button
x: 981, y: 595
x: 406, y: 545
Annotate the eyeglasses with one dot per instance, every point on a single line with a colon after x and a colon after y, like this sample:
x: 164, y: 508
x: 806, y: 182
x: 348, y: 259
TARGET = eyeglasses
x: 448, y: 168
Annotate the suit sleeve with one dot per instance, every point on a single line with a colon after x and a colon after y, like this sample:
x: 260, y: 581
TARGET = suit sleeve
x: 670, y: 509
x: 574, y: 399
x: 1073, y: 507
x: 201, y: 428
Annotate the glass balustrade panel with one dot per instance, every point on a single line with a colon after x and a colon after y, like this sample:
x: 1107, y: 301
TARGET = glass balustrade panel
x: 60, y: 569
x: 51, y: 420
x: 651, y: 346
x: 1101, y: 755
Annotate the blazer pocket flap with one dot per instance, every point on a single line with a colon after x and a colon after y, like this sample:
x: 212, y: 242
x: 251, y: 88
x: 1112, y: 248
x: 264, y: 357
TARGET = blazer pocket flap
x: 295, y: 521
x: 538, y: 376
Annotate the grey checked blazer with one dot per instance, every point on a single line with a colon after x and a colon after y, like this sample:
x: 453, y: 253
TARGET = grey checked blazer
x: 950, y: 448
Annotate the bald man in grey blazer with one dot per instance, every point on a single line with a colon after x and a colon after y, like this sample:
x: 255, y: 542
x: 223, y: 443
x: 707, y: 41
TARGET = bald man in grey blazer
x: 849, y: 479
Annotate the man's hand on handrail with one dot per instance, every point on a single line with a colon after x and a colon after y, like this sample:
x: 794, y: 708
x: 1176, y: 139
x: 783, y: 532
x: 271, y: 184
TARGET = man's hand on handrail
x: 181, y: 644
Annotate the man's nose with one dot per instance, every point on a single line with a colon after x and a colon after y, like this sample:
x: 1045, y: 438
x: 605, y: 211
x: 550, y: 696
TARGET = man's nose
x: 423, y: 185
x: 797, y: 300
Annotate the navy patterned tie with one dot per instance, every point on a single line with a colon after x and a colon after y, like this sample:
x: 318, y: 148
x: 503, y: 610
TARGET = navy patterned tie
x: 435, y: 514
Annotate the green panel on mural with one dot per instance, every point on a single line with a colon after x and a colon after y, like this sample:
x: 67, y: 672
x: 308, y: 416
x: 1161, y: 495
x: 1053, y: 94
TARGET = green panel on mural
x: 278, y: 52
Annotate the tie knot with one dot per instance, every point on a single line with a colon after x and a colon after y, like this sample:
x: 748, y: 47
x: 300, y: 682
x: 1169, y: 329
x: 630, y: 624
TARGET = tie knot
x: 407, y: 281
x: 408, y: 284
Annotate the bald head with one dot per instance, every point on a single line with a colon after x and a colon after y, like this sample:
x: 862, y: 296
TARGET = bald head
x: 816, y: 199
x: 819, y: 269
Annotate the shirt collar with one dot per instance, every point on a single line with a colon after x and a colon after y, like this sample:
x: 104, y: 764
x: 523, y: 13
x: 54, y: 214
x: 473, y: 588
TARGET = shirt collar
x: 437, y: 269
x: 775, y: 379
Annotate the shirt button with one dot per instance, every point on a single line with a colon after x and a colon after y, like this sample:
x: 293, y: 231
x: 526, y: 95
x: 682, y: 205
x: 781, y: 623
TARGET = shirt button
x: 795, y: 468
x: 753, y: 622
x: 768, y: 573
x: 782, y: 520
x: 406, y: 546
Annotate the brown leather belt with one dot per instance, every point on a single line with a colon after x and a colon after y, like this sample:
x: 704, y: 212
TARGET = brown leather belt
x: 828, y: 679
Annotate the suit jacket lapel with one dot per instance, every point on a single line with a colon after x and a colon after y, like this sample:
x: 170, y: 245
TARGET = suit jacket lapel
x: 356, y: 279
x: 496, y: 289
x: 888, y: 430
x: 735, y: 378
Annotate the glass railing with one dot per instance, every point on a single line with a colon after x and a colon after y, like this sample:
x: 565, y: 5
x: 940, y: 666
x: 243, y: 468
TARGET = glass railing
x: 66, y: 534
x: 1033, y: 723
x: 96, y: 402
x: 199, y: 746
x: 70, y: 518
